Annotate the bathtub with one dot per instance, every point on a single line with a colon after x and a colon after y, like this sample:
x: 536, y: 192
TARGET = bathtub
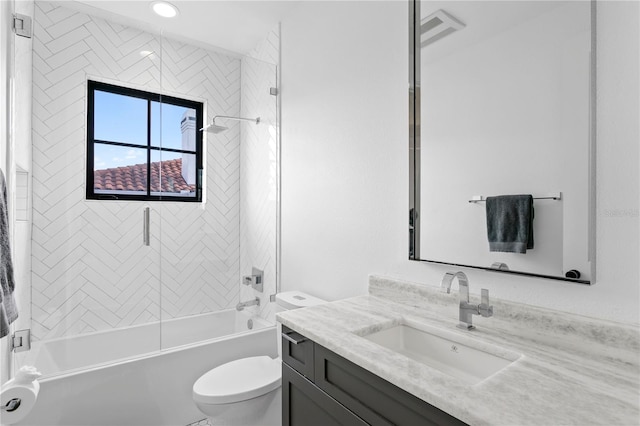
x: 102, y: 379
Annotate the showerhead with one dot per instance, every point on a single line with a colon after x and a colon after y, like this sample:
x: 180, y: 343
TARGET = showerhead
x: 215, y: 128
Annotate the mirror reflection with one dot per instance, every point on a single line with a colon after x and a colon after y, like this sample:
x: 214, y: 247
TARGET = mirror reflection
x: 503, y: 108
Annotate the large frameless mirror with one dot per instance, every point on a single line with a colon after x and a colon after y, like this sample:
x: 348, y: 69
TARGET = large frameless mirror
x: 502, y: 104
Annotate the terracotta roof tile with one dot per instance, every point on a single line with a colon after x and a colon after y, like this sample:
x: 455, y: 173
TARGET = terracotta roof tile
x: 134, y: 178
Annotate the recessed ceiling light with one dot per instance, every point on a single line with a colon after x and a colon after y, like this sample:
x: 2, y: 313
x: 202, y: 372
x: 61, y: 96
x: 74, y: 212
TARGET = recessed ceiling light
x: 164, y: 9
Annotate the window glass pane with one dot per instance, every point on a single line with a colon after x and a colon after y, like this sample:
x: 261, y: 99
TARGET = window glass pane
x: 119, y: 118
x: 119, y: 170
x: 173, y: 126
x: 173, y: 174
x: 128, y: 130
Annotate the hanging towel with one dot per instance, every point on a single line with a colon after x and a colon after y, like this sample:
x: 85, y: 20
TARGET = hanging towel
x: 8, y: 309
x: 510, y: 223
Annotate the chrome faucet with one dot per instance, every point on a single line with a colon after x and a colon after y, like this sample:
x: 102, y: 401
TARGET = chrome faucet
x: 240, y: 306
x: 467, y: 310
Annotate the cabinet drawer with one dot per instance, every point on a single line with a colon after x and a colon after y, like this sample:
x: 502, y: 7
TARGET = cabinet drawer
x: 306, y: 405
x: 297, y: 352
x: 372, y: 398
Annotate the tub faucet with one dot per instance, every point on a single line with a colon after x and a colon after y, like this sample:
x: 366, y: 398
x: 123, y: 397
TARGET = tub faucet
x: 240, y: 306
x: 467, y: 310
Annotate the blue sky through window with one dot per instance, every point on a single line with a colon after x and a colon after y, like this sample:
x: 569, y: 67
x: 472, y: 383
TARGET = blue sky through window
x: 120, y: 118
x: 170, y: 134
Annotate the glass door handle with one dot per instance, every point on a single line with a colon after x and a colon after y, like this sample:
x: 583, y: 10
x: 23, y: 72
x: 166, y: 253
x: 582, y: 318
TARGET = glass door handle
x: 146, y: 234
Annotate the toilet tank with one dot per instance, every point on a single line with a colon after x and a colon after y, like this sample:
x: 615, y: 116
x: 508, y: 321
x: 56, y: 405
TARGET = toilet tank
x: 293, y: 300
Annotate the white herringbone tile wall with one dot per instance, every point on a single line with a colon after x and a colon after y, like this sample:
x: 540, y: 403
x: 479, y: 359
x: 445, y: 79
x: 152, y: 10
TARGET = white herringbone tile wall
x: 258, y: 174
x: 90, y: 270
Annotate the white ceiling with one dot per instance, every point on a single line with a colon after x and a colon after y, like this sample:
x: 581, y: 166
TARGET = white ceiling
x: 231, y: 25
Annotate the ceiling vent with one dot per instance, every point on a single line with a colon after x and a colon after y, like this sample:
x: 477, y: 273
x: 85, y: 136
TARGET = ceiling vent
x: 438, y: 25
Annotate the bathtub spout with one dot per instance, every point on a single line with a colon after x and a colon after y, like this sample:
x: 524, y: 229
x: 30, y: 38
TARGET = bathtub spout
x: 240, y: 306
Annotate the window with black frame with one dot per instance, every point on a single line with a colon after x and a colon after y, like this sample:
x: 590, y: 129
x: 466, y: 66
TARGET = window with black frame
x: 142, y: 145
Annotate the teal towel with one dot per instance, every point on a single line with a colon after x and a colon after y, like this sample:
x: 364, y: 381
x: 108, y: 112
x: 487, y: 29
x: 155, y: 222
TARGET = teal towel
x: 510, y: 223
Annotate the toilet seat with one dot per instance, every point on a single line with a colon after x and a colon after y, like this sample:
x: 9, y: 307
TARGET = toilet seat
x: 238, y: 380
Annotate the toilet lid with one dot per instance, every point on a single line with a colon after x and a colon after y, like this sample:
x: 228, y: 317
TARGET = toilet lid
x: 297, y: 299
x: 238, y: 380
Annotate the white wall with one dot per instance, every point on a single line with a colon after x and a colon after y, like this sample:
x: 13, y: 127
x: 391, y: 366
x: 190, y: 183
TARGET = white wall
x: 345, y: 160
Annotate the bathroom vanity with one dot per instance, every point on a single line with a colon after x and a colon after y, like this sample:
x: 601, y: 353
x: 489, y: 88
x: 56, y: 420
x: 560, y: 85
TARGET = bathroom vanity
x: 558, y: 368
x: 319, y: 387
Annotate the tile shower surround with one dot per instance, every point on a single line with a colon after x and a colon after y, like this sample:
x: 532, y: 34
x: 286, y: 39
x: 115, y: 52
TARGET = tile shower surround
x: 258, y: 171
x: 89, y: 269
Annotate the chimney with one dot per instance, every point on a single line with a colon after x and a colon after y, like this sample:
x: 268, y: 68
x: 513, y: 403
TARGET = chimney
x: 188, y: 128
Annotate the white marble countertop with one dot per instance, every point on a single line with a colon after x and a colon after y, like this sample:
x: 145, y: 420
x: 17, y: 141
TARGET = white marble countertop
x: 573, y: 369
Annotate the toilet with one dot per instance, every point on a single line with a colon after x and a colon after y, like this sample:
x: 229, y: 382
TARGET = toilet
x: 248, y: 391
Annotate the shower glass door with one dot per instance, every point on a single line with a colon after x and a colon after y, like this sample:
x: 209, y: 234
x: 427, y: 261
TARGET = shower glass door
x: 7, y: 76
x: 138, y: 227
x: 259, y: 174
x: 94, y: 277
x: 208, y: 245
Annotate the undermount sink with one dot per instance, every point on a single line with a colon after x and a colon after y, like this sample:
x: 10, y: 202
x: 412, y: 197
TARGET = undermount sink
x: 464, y: 358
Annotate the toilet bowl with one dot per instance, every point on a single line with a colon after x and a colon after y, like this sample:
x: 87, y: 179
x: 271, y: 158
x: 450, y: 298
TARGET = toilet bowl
x: 248, y: 391
x: 240, y: 391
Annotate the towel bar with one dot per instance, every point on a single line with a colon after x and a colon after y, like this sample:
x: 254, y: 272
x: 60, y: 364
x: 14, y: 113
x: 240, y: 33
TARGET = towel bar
x: 552, y: 196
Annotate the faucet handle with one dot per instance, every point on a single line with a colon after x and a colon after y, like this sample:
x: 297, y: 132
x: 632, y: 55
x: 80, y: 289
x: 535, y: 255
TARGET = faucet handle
x: 484, y: 308
x: 484, y: 294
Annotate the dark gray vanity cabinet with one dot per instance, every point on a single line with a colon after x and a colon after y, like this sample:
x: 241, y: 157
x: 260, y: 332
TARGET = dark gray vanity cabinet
x: 306, y: 405
x: 320, y: 387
